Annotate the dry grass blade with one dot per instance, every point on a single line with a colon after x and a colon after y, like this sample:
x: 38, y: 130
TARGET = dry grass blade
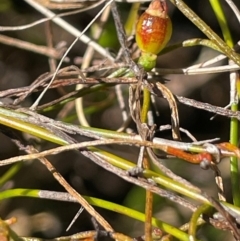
x: 50, y: 14
x: 167, y: 94
x: 60, y: 5
x: 47, y: 51
x: 72, y: 191
x: 65, y: 5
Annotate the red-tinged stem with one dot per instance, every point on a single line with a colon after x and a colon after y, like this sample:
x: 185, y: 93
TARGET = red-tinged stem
x: 230, y: 147
x: 193, y: 158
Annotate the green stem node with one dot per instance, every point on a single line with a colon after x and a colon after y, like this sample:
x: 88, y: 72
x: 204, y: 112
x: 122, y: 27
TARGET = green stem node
x: 148, y: 61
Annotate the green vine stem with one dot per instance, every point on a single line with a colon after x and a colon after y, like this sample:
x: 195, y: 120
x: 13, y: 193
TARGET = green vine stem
x: 218, y: 10
x: 113, y: 159
x: 31, y: 129
x: 145, y: 105
x: 162, y: 180
x: 10, y: 173
x: 153, y: 31
x: 144, y: 118
x: 195, y: 19
x: 194, y: 221
x: 191, y: 43
x: 35, y: 130
x: 131, y: 19
x: 234, y: 125
x: 34, y: 193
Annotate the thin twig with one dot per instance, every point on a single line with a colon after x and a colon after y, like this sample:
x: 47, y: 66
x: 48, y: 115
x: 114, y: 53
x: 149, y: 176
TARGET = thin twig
x: 47, y: 51
x: 194, y: 71
x: 206, y: 30
x: 209, y: 107
x: 73, y: 192
x: 66, y: 26
x: 45, y: 11
x: 87, y: 58
x: 49, y: 40
x: 234, y: 9
x: 148, y: 186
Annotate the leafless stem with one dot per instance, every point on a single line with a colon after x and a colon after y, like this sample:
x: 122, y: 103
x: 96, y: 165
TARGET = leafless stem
x: 47, y: 51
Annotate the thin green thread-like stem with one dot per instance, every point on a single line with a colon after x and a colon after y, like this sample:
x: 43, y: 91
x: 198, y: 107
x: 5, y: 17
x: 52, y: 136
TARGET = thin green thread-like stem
x: 156, y: 177
x: 148, y: 62
x: 10, y: 173
x: 234, y: 125
x: 132, y: 17
x: 194, y: 18
x: 191, y: 43
x: 194, y: 220
x: 31, y: 129
x: 112, y: 159
x: 217, y: 8
x: 47, y: 135
x: 34, y: 193
x: 19, y: 192
x: 146, y: 104
x: 74, y: 96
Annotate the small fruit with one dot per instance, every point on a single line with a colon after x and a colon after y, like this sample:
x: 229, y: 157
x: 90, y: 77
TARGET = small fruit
x: 154, y: 28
